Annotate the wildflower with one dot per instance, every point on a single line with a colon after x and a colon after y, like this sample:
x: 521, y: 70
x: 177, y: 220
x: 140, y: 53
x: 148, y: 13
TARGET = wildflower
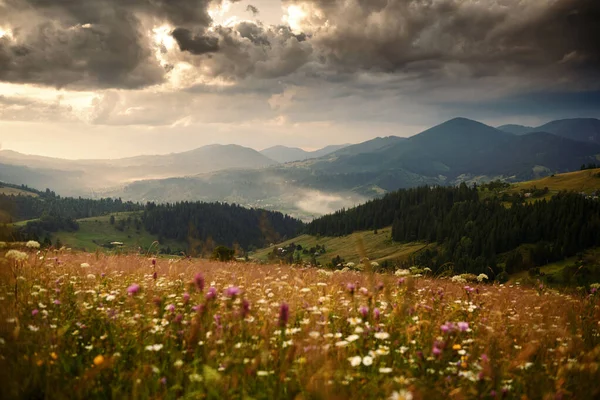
x: 85, y: 265
x: 385, y: 370
x: 98, y: 360
x: 456, y: 347
x: 154, y: 275
x: 284, y: 314
x: 355, y: 361
x: 186, y: 297
x: 133, y: 289
x: 178, y: 363
x: 245, y: 308
x: 364, y: 311
x: 314, y: 334
x: 376, y: 314
x: 382, y: 335
x: 170, y: 308
x: 402, y: 272
x: 436, y: 351
x: 57, y: 302
x: 401, y: 395
x: 91, y: 277
x: 482, y: 277
x: 32, y: 244
x: 463, y: 326
x: 196, y: 378
x: 367, y: 361
x: 351, y: 288
x: 199, y: 282
x: 16, y: 255
x: 352, y: 338
x: 34, y: 312
x: 232, y: 291
x: 154, y: 347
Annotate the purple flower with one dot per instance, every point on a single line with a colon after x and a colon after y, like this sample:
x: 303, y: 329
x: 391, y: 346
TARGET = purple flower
x: 463, y: 326
x: 163, y: 380
x: 34, y: 312
x: 447, y: 327
x: 199, y: 282
x: 284, y: 314
x: 469, y: 289
x: 212, y: 293
x: 178, y: 318
x: 351, y: 288
x: 57, y: 302
x: 186, y: 297
x: 154, y: 261
x: 436, y: 351
x: 485, y: 358
x: 245, y: 308
x: 364, y: 311
x: 170, y: 307
x: 380, y: 286
x: 232, y: 291
x: 377, y: 314
x: 154, y: 275
x: 133, y: 289
x: 401, y: 281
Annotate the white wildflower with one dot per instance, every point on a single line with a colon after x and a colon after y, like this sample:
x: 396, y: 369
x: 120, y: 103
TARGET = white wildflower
x: 355, y: 361
x: 367, y: 361
x: 32, y: 244
x: 382, y: 335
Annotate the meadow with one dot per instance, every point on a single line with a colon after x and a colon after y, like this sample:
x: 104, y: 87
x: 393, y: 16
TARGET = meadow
x: 82, y: 325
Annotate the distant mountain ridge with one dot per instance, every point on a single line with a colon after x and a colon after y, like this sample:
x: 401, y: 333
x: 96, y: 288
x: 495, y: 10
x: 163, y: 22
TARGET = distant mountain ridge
x: 284, y: 154
x: 458, y: 150
x: 580, y: 129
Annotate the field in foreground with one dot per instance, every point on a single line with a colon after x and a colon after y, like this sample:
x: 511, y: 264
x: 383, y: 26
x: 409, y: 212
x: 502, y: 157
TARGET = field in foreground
x: 98, y: 326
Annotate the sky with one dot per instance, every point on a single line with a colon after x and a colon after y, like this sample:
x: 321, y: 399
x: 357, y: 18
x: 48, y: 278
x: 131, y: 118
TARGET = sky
x: 116, y: 78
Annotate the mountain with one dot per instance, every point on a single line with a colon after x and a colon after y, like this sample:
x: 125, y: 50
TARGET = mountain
x: 580, y: 129
x: 459, y: 150
x: 516, y: 129
x: 81, y: 176
x: 284, y: 154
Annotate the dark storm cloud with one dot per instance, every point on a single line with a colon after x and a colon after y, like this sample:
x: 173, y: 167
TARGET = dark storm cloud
x: 87, y: 44
x: 423, y: 37
x: 252, y: 9
x: 195, y: 44
x: 94, y: 43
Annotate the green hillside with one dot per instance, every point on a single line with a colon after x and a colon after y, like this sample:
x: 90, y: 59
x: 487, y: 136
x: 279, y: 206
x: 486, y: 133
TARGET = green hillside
x: 586, y: 181
x: 376, y: 246
x: 98, y: 233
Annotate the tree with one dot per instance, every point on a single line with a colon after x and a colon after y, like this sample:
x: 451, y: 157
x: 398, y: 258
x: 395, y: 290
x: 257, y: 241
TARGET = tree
x: 222, y: 253
x: 112, y: 219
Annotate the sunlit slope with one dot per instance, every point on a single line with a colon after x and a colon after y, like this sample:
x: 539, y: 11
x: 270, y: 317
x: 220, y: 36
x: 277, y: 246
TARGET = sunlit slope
x: 376, y: 246
x: 586, y: 181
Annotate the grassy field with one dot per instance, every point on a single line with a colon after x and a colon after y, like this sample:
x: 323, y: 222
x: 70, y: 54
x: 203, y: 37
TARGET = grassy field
x: 97, y: 326
x: 16, y: 192
x: 95, y: 232
x: 377, y: 247
x: 586, y: 181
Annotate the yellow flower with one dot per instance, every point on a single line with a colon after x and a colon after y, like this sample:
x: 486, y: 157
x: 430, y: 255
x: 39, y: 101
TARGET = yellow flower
x: 456, y: 347
x: 39, y: 363
x: 99, y: 359
x: 54, y: 355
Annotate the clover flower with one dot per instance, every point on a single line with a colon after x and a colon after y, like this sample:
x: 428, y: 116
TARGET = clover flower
x: 199, y: 282
x: 133, y: 289
x: 284, y: 314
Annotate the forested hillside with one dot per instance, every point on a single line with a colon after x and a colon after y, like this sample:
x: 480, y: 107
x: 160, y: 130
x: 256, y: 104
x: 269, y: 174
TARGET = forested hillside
x: 224, y: 224
x: 476, y: 236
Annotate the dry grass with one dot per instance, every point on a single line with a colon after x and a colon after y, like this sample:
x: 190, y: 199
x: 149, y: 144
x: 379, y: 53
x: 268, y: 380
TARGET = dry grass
x: 158, y: 343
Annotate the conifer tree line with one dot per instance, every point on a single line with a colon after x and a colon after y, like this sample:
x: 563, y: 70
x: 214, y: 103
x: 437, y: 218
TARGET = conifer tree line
x: 21, y: 207
x: 474, y: 235
x: 225, y: 224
